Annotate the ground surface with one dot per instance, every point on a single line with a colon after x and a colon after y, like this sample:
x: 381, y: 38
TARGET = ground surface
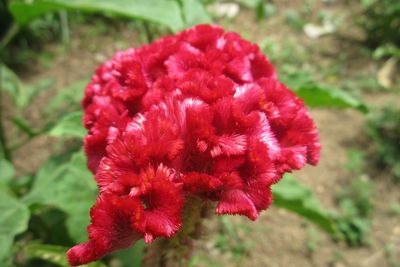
x: 278, y: 238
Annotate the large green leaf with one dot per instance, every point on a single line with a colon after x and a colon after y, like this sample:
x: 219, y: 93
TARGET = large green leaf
x: 73, y: 190
x: 318, y: 95
x: 165, y: 12
x: 53, y: 254
x: 13, y: 220
x: 194, y: 12
x: 7, y: 171
x: 69, y: 126
x: 291, y: 195
x: 20, y: 93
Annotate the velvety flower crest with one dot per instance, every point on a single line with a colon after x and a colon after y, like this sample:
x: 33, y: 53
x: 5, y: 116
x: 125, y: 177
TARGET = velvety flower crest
x: 199, y: 114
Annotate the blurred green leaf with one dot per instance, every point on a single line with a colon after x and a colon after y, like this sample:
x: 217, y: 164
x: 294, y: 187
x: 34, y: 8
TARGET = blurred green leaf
x: 318, y: 95
x: 50, y: 253
x: 68, y: 97
x: 291, y: 195
x: 69, y: 126
x: 24, y: 126
x: 250, y: 3
x: 73, y: 190
x: 387, y: 50
x: 45, y: 178
x: 13, y: 220
x: 131, y: 256
x: 294, y: 19
x: 194, y: 13
x: 164, y: 12
x: 7, y: 171
x: 265, y: 10
x: 53, y: 254
x: 20, y: 93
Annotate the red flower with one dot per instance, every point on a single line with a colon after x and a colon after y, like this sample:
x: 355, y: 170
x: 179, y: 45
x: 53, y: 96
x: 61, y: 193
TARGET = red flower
x: 197, y: 114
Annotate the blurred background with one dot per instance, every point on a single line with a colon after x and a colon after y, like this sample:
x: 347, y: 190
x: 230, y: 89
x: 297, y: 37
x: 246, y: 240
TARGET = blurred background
x: 341, y: 56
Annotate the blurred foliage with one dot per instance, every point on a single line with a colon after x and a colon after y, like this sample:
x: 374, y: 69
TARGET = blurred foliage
x: 381, y: 22
x: 20, y: 93
x: 317, y: 94
x: 263, y: 9
x: 384, y: 130
x: 297, y: 198
x: 28, y: 24
x: 355, y: 204
x: 14, y: 220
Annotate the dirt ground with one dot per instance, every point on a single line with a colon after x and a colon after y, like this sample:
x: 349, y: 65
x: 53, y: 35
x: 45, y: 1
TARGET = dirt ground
x: 278, y: 238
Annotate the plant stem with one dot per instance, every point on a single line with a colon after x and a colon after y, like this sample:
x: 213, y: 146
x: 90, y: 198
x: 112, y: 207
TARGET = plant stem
x: 3, y: 139
x: 9, y: 35
x: 149, y: 35
x: 65, y: 33
x: 177, y: 251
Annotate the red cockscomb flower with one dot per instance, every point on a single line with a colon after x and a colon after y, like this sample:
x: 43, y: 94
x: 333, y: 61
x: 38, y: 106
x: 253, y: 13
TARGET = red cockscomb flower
x: 197, y: 114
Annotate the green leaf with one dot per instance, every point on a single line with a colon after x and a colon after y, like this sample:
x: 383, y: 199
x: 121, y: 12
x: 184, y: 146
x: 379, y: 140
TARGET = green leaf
x: 318, y: 95
x: 69, y: 126
x: 20, y: 93
x: 68, y: 97
x: 131, y: 256
x: 250, y: 3
x: 73, y: 190
x: 291, y: 195
x: 45, y: 178
x: 53, y: 254
x: 24, y: 126
x: 265, y: 10
x: 13, y: 220
x: 7, y: 171
x: 164, y: 12
x: 194, y: 13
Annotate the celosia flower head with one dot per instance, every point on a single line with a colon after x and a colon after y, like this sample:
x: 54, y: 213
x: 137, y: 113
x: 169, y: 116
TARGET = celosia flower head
x: 202, y: 114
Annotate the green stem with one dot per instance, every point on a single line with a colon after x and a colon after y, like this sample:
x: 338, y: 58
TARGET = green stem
x: 3, y: 139
x: 9, y: 35
x: 65, y: 33
x: 177, y: 251
x: 149, y: 35
x: 35, y: 134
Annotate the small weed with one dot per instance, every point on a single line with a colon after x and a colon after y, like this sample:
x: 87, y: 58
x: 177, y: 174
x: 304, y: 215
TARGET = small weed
x: 312, y: 240
x: 229, y: 241
x: 355, y: 203
x: 384, y: 130
x: 356, y: 207
x: 395, y: 209
x: 294, y: 19
x: 356, y: 161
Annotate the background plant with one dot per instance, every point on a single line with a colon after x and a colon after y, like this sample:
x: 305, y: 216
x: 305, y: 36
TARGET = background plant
x: 381, y: 22
x: 384, y: 130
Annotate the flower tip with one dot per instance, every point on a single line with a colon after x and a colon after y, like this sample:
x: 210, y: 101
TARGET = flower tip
x: 148, y: 238
x: 83, y: 253
x: 235, y: 202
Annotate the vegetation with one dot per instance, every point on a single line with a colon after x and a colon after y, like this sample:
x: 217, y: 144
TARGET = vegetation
x: 43, y: 217
x: 384, y: 130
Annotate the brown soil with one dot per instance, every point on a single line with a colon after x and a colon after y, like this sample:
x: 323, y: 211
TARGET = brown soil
x: 278, y: 238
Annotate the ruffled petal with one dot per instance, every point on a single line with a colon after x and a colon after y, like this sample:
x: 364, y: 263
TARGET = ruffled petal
x: 236, y: 202
x: 111, y: 228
